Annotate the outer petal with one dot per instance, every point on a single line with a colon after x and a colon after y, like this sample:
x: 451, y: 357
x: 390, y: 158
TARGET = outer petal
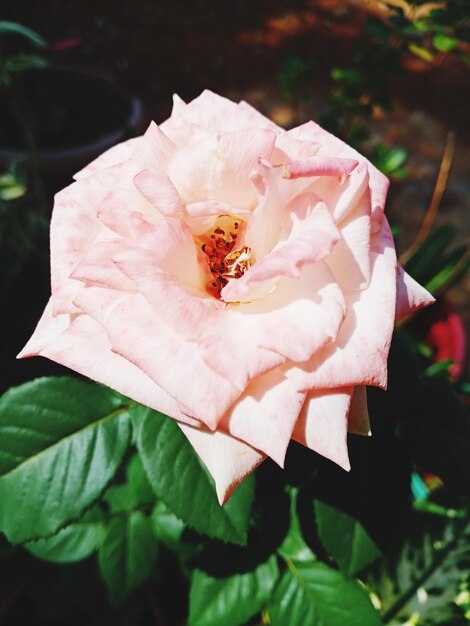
x: 215, y: 112
x: 265, y: 415
x: 136, y: 333
x: 410, y: 295
x: 359, y: 354
x: 322, y: 424
x: 229, y: 460
x: 114, y: 156
x: 358, y: 418
x: 293, y: 322
x: 74, y: 226
x: 80, y: 343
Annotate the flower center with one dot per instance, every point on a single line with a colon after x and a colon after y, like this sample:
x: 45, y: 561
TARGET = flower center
x: 226, y: 256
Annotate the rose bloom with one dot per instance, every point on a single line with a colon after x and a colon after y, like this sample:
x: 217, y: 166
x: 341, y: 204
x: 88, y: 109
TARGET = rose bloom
x: 238, y: 277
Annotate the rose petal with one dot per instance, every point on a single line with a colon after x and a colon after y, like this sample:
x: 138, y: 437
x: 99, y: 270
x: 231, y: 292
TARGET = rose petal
x: 293, y: 322
x: 322, y: 424
x: 136, y: 333
x: 154, y: 149
x: 48, y: 329
x: 332, y: 146
x: 350, y: 258
x: 74, y: 226
x: 158, y: 189
x: 163, y: 265
x: 114, y: 156
x: 265, y: 415
x: 212, y: 168
x: 123, y: 200
x: 228, y: 460
x: 358, y: 356
x: 311, y: 235
x: 80, y: 343
x: 275, y: 193
x: 410, y: 295
x: 98, y: 268
x: 319, y: 166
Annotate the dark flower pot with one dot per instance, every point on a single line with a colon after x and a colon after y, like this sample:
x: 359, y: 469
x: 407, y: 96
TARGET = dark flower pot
x: 74, y: 115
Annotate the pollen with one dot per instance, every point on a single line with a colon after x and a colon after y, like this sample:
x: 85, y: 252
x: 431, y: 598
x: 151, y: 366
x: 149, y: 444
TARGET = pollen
x: 227, y: 256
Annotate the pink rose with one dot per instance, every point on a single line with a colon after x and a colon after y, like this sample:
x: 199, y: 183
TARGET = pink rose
x: 240, y: 278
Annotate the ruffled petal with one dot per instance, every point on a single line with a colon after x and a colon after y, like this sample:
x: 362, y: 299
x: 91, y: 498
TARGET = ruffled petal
x: 332, y: 146
x: 323, y: 424
x: 319, y: 166
x: 228, y: 460
x: 123, y: 201
x: 79, y: 343
x: 218, y: 167
x: 311, y: 235
x: 274, y: 195
x: 137, y: 334
x: 97, y: 266
x: 295, y: 321
x: 265, y: 415
x: 154, y: 149
x: 114, y: 156
x: 74, y: 226
x: 410, y: 295
x: 350, y: 258
x: 158, y: 189
x: 359, y: 354
x: 164, y: 267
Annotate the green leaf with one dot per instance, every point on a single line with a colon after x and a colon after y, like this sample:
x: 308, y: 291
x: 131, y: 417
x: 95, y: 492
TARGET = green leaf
x: 72, y: 543
x: 22, y: 62
x: 179, y: 478
x: 312, y: 593
x: 11, y: 188
x: 24, y: 31
x: 450, y: 265
x: 127, y: 554
x: 426, y: 261
x: 120, y: 498
x: 138, y: 481
x: 345, y: 539
x: 444, y: 43
x: 351, y: 76
x: 230, y: 601
x: 61, y: 442
x: 167, y: 527
x: 390, y: 160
